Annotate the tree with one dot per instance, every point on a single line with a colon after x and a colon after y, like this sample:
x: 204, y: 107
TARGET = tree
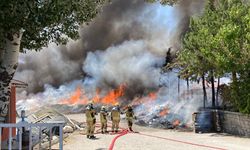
x: 218, y: 43
x: 233, y: 41
x: 197, y: 50
x: 31, y: 25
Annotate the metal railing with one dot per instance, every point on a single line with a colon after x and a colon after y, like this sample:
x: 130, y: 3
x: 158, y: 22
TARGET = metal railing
x: 39, y: 127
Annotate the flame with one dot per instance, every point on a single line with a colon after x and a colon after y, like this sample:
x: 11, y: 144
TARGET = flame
x: 152, y: 96
x: 145, y: 100
x: 164, y: 112
x: 113, y: 96
x: 176, y: 122
x: 96, y: 98
x: 76, y: 98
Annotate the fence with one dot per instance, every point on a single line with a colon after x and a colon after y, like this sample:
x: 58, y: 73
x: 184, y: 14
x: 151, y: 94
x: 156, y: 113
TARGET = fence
x: 35, y: 134
x: 235, y: 123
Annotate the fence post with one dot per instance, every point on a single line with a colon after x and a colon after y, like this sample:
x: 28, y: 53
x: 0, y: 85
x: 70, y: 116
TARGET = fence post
x: 50, y: 137
x: 10, y: 138
x: 40, y: 138
x: 61, y: 137
x: 1, y: 137
x: 20, y: 137
x: 30, y: 139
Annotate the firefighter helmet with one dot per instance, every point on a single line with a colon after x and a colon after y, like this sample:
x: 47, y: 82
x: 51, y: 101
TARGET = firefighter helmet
x: 103, y: 108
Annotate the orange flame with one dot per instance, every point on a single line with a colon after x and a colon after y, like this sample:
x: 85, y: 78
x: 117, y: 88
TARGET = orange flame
x: 176, y: 123
x: 76, y: 98
x: 145, y: 100
x: 96, y: 98
x: 164, y: 112
x: 152, y: 95
x: 112, y: 96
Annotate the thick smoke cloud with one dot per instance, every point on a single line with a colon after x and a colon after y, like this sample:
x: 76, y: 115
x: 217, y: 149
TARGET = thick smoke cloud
x: 130, y: 63
x: 129, y: 32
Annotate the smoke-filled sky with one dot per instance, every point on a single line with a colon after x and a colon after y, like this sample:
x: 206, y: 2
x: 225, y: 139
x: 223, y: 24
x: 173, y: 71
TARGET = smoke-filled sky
x: 126, y: 43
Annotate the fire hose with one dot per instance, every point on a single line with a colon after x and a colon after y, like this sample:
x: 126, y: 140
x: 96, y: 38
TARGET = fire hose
x: 124, y: 131
x: 183, y: 142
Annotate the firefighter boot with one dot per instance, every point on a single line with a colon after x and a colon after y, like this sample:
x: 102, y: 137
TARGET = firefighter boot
x: 130, y: 129
x: 92, y: 137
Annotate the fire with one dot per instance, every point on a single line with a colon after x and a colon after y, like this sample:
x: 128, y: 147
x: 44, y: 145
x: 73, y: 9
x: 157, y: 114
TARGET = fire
x: 113, y: 96
x: 176, y: 123
x: 76, y: 98
x: 96, y: 98
x: 164, y: 112
x: 145, y: 100
x: 152, y: 96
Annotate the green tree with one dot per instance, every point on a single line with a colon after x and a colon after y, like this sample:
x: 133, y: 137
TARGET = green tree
x: 233, y: 43
x: 196, y: 58
x: 218, y: 43
x: 31, y: 25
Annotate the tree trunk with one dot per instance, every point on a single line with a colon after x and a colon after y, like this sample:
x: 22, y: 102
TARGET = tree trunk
x: 204, y: 91
x: 234, y: 77
x: 187, y: 95
x: 213, y: 90
x: 187, y: 84
x: 8, y: 66
x: 178, y: 85
x: 217, y: 92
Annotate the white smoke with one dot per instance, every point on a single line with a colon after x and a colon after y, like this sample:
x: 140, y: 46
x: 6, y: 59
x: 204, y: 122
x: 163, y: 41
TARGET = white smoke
x: 180, y: 103
x: 131, y: 63
x: 135, y: 59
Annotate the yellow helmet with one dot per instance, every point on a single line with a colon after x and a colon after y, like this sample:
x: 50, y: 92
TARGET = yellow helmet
x: 90, y: 102
x: 117, y: 104
x: 103, y: 108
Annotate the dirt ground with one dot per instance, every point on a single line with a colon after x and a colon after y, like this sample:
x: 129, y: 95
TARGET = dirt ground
x: 153, y: 139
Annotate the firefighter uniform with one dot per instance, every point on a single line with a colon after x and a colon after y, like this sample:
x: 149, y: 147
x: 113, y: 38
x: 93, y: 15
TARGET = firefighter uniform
x: 91, y: 120
x: 103, y: 119
x: 130, y: 116
x: 115, y: 118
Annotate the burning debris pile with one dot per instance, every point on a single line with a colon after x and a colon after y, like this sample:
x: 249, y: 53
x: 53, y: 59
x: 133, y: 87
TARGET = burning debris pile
x: 161, y: 119
x: 162, y: 115
x: 117, y: 60
x: 163, y: 108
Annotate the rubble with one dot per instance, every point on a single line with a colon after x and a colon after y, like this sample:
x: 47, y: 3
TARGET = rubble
x: 50, y: 115
x: 163, y: 119
x: 68, y: 129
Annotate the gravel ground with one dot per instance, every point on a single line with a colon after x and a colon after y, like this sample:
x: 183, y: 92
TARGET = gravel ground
x: 164, y: 140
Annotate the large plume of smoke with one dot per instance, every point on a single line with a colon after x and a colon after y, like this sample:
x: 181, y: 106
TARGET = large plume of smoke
x: 130, y: 63
x: 118, y: 22
x: 125, y: 44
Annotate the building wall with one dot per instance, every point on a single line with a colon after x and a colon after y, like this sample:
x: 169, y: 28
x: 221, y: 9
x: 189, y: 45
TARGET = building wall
x: 235, y: 123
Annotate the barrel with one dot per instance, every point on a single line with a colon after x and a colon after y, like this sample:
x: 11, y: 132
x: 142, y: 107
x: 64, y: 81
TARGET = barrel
x: 203, y: 122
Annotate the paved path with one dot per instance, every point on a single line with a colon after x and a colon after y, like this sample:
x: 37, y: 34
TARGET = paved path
x: 161, y: 140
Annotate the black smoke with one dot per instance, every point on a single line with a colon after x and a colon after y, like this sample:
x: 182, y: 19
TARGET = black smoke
x: 119, y: 21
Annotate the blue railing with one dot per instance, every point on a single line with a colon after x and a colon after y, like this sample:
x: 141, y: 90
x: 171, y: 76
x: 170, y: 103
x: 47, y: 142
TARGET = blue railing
x: 29, y: 127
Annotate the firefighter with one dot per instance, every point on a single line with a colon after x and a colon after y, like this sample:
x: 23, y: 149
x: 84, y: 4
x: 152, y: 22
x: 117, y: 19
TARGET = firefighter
x: 91, y: 120
x: 115, y: 118
x: 103, y: 119
x: 130, y: 116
